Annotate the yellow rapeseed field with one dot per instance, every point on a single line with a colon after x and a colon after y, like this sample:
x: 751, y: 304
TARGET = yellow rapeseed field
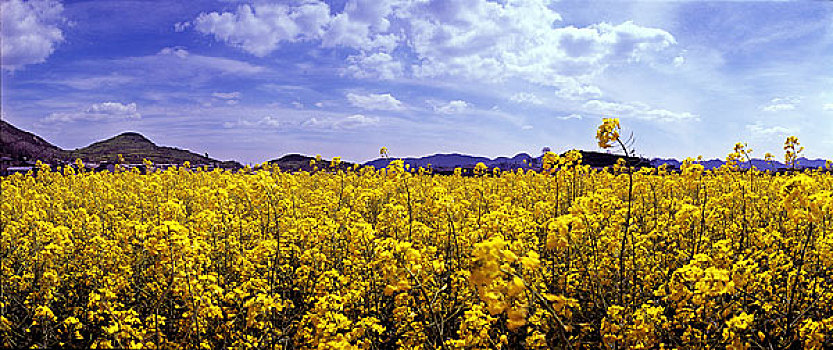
x: 569, y: 257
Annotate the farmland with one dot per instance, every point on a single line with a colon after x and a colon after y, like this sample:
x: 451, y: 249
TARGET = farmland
x: 568, y: 257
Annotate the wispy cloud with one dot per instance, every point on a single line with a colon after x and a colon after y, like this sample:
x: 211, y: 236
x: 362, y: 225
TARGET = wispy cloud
x: 781, y: 104
x: 571, y: 116
x: 637, y: 110
x: 227, y: 95
x: 349, y: 122
x: 94, y: 82
x: 526, y: 98
x: 104, y: 111
x: 268, y: 121
x: 759, y: 130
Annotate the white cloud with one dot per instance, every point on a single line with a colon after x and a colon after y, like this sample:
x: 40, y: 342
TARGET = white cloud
x: 759, y: 130
x: 174, y: 51
x: 572, y: 90
x: 267, y: 121
x: 113, y: 108
x: 104, y: 111
x: 188, y: 63
x: 679, y: 61
x: 518, y: 40
x: 227, y: 95
x: 571, y: 116
x: 181, y: 26
x: 350, y: 122
x: 781, y: 104
x: 383, y: 102
x: 379, y: 65
x: 452, y: 107
x: 779, y: 107
x: 636, y: 110
x: 29, y: 31
x: 259, y: 29
x: 827, y: 107
x: 170, y: 66
x: 356, y: 120
x: 526, y: 98
x: 474, y: 39
x: 95, y: 82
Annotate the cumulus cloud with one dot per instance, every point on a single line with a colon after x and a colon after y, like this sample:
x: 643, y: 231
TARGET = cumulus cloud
x: 104, y: 111
x: 781, y: 104
x: 350, y: 122
x: 259, y: 29
x: 636, y: 110
x: 452, y: 107
x: 383, y: 102
x: 379, y: 65
x: 526, y: 98
x: 759, y: 130
x: 476, y: 39
x: 29, y: 31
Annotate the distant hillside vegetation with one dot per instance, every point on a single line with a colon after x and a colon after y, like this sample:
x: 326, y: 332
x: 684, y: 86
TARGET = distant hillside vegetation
x: 134, y: 147
x: 297, y: 162
x: 520, y: 161
x: 23, y: 145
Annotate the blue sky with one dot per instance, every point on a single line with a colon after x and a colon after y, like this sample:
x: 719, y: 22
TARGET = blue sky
x: 255, y: 80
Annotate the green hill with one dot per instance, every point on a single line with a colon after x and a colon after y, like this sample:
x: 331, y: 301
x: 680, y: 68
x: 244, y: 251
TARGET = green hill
x: 134, y: 148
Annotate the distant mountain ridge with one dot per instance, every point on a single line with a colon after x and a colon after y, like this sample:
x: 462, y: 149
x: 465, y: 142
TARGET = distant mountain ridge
x: 449, y: 161
x: 446, y: 161
x: 22, y: 145
x: 759, y: 164
x: 19, y: 144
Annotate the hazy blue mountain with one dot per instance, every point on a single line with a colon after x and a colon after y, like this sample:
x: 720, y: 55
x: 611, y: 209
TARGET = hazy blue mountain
x: 456, y: 160
x: 449, y: 161
x: 759, y: 164
x: 519, y: 161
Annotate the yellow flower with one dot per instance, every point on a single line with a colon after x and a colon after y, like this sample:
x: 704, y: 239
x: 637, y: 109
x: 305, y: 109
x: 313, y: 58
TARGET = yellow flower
x: 608, y: 132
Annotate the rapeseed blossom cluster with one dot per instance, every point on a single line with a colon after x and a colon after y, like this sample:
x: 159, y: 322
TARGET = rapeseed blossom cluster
x: 569, y: 257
